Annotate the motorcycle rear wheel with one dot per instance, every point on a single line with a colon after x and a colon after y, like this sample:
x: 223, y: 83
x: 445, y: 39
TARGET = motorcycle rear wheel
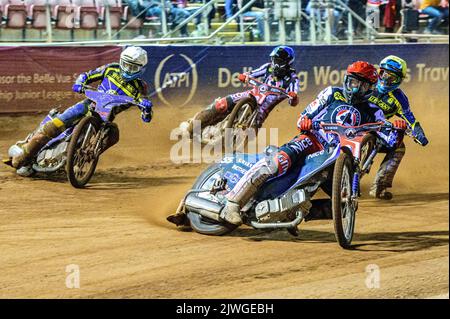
x: 80, y: 152
x: 204, y: 225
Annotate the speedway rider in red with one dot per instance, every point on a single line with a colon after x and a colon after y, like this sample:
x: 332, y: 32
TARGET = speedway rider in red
x: 279, y: 73
x: 347, y: 105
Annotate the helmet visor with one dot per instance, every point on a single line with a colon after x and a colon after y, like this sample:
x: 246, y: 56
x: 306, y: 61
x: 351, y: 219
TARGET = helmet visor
x: 279, y: 62
x: 356, y: 87
x: 389, y: 78
x: 130, y: 68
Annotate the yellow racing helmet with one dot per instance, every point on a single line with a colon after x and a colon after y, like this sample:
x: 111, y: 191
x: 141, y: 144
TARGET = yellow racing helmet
x: 392, y: 71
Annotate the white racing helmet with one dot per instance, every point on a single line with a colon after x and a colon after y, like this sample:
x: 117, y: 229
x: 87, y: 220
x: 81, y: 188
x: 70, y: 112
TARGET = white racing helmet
x: 133, y: 61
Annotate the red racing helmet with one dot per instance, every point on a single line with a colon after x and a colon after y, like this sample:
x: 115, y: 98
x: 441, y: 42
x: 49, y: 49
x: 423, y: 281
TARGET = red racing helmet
x: 359, y: 81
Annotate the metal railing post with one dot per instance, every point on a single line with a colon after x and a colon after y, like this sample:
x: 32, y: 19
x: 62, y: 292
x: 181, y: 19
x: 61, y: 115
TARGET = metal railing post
x: 108, y: 20
x: 48, y: 21
x: 329, y: 21
x: 298, y: 22
x: 266, y: 26
x: 205, y: 17
x: 282, y: 25
x: 241, y: 23
x: 163, y: 17
x: 350, y: 28
x: 312, y: 23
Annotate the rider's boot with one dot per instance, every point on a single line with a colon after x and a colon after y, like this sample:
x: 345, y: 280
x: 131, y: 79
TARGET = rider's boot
x: 246, y: 188
x: 386, y: 173
x: 44, y: 134
x: 113, y: 137
x: 25, y: 171
x: 380, y: 192
x: 179, y: 218
x: 206, y: 117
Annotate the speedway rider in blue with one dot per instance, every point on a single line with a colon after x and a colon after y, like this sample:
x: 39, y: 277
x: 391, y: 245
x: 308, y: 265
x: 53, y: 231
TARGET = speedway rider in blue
x: 279, y: 73
x: 393, y: 101
x: 123, y: 78
x: 347, y: 105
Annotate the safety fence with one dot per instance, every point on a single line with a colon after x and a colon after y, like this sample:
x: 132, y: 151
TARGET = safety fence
x: 38, y: 78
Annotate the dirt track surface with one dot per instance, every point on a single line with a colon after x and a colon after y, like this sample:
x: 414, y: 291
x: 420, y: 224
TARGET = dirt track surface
x: 115, y: 230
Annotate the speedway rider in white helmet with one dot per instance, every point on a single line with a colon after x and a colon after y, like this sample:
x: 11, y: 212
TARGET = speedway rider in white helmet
x: 123, y: 78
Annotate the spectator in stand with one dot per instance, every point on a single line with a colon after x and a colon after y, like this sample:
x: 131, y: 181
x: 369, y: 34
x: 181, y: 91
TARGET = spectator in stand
x: 359, y: 7
x: 321, y: 13
x: 390, y: 14
x: 438, y: 11
x: 211, y: 11
x: 152, y: 8
x: 255, y: 11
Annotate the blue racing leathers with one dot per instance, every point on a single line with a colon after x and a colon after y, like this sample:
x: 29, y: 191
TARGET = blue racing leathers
x: 394, y: 103
x: 111, y: 82
x: 330, y: 106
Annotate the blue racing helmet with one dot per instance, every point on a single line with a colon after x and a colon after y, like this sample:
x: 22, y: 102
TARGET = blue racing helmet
x: 282, y: 58
x: 391, y: 74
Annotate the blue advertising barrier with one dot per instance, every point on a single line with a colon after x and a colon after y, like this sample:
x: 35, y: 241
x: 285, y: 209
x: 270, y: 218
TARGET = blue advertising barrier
x: 38, y: 79
x: 185, y: 76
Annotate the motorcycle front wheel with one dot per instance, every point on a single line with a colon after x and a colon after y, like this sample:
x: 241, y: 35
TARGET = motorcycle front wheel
x: 238, y: 123
x: 344, y: 212
x: 81, y: 156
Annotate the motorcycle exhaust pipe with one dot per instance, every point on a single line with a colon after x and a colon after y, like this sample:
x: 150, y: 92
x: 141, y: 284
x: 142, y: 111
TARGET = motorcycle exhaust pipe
x: 291, y: 224
x: 203, y: 207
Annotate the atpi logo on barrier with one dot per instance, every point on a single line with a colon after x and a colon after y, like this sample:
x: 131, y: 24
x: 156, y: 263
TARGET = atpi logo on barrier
x: 182, y: 76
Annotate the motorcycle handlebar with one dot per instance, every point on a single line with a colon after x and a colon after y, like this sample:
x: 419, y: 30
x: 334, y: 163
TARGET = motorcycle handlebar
x: 317, y: 125
x: 88, y: 87
x: 258, y: 83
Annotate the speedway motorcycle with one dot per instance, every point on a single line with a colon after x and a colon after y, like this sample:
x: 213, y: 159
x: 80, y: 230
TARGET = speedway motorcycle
x: 242, y: 117
x: 78, y: 148
x: 284, y: 201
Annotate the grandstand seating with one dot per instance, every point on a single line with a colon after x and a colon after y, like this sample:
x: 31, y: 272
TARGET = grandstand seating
x: 63, y: 14
x: 86, y: 14
x: 36, y: 13
x: 115, y: 12
x: 14, y: 13
x: 90, y: 15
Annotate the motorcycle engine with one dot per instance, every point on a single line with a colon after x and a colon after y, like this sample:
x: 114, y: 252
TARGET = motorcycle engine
x: 284, y: 208
x: 52, y: 157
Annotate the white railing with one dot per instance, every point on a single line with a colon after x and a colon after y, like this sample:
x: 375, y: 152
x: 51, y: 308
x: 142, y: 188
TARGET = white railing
x: 319, y: 30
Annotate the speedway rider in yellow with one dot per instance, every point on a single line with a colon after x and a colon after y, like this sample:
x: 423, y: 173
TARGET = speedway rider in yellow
x: 391, y: 99
x: 123, y: 78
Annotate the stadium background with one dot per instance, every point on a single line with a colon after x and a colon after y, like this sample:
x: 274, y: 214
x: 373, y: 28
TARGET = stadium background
x: 115, y: 230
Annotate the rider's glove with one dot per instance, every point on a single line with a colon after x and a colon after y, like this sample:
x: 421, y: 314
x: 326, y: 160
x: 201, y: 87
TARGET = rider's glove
x: 243, y: 77
x: 293, y: 101
x: 78, y: 88
x: 146, y: 104
x: 147, y: 111
x: 419, y: 134
x: 147, y: 115
x: 305, y: 124
x: 400, y: 124
x: 393, y: 138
